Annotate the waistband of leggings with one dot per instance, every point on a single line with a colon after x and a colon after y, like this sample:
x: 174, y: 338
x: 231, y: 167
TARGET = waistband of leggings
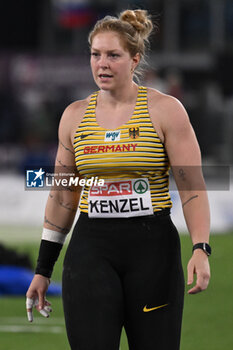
x: 158, y: 213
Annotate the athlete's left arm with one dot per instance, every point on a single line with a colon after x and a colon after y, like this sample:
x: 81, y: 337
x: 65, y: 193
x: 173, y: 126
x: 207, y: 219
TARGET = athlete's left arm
x: 185, y: 159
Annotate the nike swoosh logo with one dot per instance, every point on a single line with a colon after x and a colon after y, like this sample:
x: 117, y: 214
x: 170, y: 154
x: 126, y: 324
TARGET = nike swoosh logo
x: 85, y: 135
x: 153, y: 308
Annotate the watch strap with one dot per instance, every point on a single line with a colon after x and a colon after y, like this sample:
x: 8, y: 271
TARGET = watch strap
x: 204, y: 246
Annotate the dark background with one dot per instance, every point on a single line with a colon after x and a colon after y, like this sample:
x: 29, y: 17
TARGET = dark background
x: 44, y: 66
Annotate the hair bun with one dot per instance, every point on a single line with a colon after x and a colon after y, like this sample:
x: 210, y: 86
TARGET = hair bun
x: 140, y: 20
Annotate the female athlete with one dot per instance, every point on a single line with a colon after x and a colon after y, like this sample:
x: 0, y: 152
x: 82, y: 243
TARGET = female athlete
x: 123, y: 265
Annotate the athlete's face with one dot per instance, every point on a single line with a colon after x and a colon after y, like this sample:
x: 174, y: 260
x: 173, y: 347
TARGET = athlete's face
x: 111, y: 64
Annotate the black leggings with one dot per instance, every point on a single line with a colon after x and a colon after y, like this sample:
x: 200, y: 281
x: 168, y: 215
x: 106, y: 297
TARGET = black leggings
x: 123, y: 272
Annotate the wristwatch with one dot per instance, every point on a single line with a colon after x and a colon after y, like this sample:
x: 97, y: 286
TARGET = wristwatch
x: 204, y: 246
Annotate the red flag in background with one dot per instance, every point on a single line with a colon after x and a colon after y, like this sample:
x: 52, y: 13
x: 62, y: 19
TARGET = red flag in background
x: 74, y: 13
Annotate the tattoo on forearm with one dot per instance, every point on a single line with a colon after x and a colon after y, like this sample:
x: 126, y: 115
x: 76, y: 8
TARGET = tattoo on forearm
x: 191, y: 198
x: 66, y: 206
x: 66, y: 148
x: 61, y: 229
x: 182, y: 174
x: 59, y: 161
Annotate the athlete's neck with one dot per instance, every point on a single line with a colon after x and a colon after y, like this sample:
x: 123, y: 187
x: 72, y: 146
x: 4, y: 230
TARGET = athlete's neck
x: 114, y: 98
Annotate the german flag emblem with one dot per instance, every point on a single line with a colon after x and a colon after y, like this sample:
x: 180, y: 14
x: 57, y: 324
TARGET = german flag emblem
x: 133, y: 133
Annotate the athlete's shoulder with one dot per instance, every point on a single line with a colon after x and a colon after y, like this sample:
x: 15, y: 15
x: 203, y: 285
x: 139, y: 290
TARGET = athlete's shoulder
x: 76, y: 108
x: 161, y: 100
x: 167, y: 108
x: 73, y: 115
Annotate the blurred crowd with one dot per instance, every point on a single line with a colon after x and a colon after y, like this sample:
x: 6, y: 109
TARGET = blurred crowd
x: 44, y: 66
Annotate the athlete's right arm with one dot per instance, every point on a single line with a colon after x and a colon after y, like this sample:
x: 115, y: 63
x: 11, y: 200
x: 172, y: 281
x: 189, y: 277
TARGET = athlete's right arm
x: 60, y: 210
x: 62, y: 201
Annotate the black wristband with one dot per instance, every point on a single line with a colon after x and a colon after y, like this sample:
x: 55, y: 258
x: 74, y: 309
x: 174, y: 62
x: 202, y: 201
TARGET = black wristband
x: 48, y: 254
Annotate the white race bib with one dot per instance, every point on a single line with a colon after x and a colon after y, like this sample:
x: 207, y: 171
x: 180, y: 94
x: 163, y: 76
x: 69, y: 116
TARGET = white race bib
x: 123, y: 198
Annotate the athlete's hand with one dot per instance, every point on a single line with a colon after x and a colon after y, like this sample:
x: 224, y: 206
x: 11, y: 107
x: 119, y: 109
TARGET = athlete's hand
x: 35, y: 297
x: 198, y: 265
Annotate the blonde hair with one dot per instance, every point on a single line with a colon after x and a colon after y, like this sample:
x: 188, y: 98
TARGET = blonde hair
x: 134, y: 28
